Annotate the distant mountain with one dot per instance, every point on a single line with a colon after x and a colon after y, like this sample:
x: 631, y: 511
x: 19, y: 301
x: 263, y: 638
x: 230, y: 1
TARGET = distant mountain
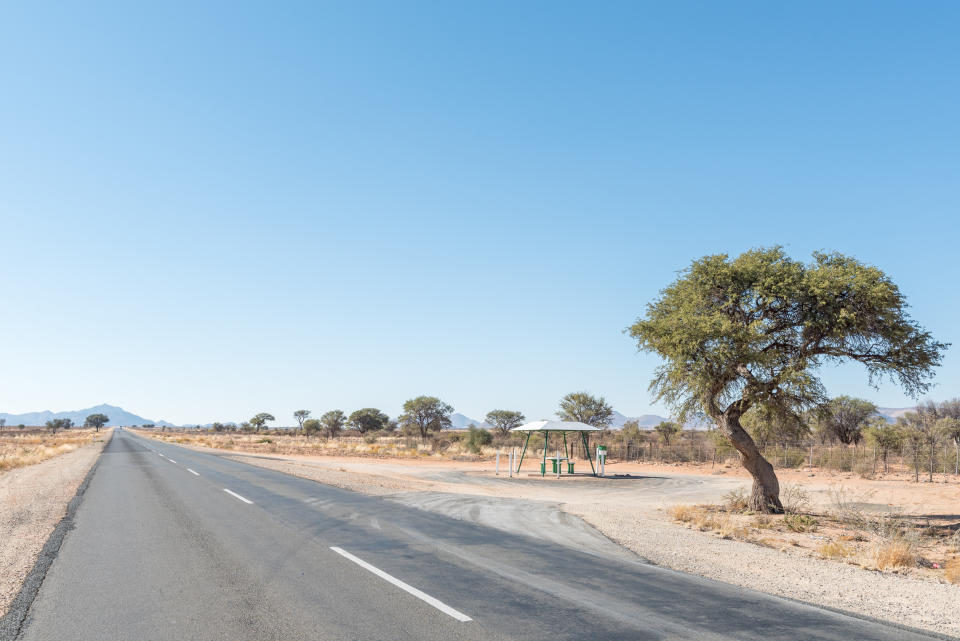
x: 460, y: 422
x: 646, y: 421
x: 118, y: 416
x: 893, y: 413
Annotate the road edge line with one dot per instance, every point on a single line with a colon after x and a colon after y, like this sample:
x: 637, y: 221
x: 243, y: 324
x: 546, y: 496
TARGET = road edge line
x: 11, y: 623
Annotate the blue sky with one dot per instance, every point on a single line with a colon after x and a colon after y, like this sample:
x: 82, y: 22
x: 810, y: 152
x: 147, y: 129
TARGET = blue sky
x: 210, y: 211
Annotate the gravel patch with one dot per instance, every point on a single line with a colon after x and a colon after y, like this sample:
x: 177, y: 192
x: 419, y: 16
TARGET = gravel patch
x: 33, y: 501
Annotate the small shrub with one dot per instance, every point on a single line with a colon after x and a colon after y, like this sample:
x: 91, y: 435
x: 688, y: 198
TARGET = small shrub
x: 800, y: 523
x: 736, y: 500
x: 683, y: 513
x: 894, y: 554
x: 264, y: 440
x: 833, y: 550
x: 952, y: 570
x: 794, y: 498
x: 477, y: 438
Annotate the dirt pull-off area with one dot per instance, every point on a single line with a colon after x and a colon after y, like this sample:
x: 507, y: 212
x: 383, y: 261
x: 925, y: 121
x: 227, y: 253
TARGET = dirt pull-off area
x: 33, y: 499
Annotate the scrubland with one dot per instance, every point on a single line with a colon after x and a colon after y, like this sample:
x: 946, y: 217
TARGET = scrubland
x: 21, y: 448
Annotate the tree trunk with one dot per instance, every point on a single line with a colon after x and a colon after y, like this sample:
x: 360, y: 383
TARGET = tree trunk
x: 765, y: 496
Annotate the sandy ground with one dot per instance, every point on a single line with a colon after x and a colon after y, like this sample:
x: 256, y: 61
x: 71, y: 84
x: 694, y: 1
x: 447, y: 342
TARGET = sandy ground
x: 33, y: 500
x: 627, y: 509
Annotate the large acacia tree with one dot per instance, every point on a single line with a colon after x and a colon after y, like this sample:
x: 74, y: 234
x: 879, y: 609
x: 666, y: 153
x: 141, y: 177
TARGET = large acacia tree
x: 754, y: 331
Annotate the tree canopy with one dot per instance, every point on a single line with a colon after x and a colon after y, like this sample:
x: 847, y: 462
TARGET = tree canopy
x: 96, y: 421
x: 368, y: 419
x: 755, y: 329
x: 844, y: 418
x: 301, y: 416
x: 332, y: 422
x: 505, y: 420
x: 258, y: 421
x: 425, y: 414
x: 582, y: 407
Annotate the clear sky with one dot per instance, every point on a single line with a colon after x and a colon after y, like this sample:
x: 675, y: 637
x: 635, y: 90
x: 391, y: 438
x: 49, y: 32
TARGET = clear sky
x: 213, y: 209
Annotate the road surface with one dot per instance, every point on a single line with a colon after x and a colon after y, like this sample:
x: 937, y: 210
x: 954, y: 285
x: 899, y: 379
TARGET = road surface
x: 176, y: 544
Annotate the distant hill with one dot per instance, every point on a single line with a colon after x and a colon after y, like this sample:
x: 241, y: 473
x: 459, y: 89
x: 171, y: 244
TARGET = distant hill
x: 460, y: 422
x: 893, y: 413
x: 118, y: 416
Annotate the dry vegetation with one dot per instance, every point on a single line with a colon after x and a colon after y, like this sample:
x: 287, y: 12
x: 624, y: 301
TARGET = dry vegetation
x: 19, y: 449
x: 450, y: 445
x: 925, y: 547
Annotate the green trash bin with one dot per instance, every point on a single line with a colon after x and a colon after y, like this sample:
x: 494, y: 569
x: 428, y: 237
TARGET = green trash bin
x: 569, y: 467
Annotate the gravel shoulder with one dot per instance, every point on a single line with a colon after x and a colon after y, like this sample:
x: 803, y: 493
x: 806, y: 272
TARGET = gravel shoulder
x: 629, y: 512
x: 33, y: 499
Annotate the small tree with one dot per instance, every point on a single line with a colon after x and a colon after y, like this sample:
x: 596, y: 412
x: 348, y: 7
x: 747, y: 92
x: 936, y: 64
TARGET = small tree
x: 311, y: 426
x: 476, y: 438
x: 3, y: 422
x: 921, y: 434
x: 582, y: 407
x: 217, y: 427
x: 425, y: 414
x: 950, y: 412
x: 844, y: 418
x: 96, y: 421
x: 505, y: 420
x: 368, y: 419
x: 333, y: 422
x: 59, y: 424
x: 885, y: 436
x: 260, y: 420
x: 667, y: 430
x: 301, y: 416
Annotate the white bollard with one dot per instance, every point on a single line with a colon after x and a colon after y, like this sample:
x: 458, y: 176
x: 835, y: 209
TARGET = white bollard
x: 510, y: 471
x: 498, y: 463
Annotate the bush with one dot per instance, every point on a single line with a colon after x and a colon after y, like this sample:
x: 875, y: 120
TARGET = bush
x: 800, y: 523
x: 736, y: 500
x: 794, y: 498
x: 952, y: 570
x: 476, y: 438
x: 894, y: 554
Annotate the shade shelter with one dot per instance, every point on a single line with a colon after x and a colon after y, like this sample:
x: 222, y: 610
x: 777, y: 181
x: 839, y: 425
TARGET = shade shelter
x: 562, y: 427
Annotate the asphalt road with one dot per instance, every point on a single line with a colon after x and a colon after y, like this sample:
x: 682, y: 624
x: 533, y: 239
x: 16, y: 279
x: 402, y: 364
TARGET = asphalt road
x: 161, y: 550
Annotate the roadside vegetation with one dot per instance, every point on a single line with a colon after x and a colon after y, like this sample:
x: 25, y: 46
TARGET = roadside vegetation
x: 19, y: 448
x: 847, y: 531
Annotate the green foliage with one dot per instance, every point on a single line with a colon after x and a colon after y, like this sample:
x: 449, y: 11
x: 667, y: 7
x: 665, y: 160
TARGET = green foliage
x: 754, y: 329
x: 767, y: 425
x: 800, y: 522
x: 258, y: 421
x: 218, y: 427
x: 582, y: 407
x: 311, y: 426
x: 631, y: 431
x: 368, y: 419
x: 301, y: 416
x: 505, y: 420
x: 477, y: 438
x: 96, y: 421
x: 667, y: 430
x: 59, y: 424
x: 334, y: 421
x: 425, y: 414
x: 844, y: 418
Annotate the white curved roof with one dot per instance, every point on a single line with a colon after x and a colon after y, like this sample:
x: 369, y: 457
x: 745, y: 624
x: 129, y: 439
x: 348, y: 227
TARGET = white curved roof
x: 556, y: 426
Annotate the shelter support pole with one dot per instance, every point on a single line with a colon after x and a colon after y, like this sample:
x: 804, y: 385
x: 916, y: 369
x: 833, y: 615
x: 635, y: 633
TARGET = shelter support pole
x: 524, y: 451
x: 586, y: 448
x: 566, y: 453
x: 543, y: 470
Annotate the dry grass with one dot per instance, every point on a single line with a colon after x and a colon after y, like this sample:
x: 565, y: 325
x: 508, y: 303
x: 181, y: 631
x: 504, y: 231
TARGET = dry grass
x: 952, y: 570
x: 894, y: 554
x: 703, y: 519
x: 29, y: 449
x: 833, y: 550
